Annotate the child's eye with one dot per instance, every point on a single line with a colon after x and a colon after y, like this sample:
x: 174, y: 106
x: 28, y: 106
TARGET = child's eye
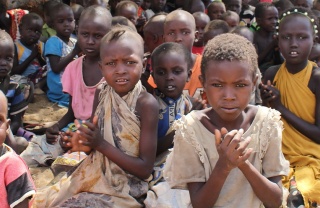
x: 186, y: 32
x: 216, y: 85
x: 241, y: 85
x: 70, y: 20
x: 302, y: 37
x: 171, y: 33
x: 130, y: 62
x: 111, y: 63
x: 98, y: 36
x: 177, y: 71
x: 9, y: 58
x: 160, y: 72
x: 84, y: 34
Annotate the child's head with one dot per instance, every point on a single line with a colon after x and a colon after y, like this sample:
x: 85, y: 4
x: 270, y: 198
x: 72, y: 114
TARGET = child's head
x: 316, y: 5
x: 233, y: 5
x: 4, y: 124
x: 30, y: 29
x: 138, y: 2
x: 180, y: 27
x: 303, y: 3
x: 231, y: 18
x: 77, y: 9
x: 283, y: 5
x: 171, y: 65
x: 228, y: 74
x: 297, y: 34
x: 48, y: 12
x: 121, y: 54
x: 120, y: 20
x: 153, y: 31
x: 6, y: 54
x: 216, y: 9
x: 157, y: 5
x: 201, y: 19
x: 94, y: 23
x: 315, y: 54
x: 244, y: 32
x: 145, y: 4
x: 128, y: 9
x: 63, y: 20
x: 214, y: 28
x: 266, y: 16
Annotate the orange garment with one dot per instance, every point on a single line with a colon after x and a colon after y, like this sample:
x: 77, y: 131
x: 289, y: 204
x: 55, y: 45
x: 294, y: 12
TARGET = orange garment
x: 194, y: 87
x: 140, y: 10
x: 302, y: 153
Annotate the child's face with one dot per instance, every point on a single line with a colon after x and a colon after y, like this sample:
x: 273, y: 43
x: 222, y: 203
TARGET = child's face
x: 91, y: 31
x: 157, y: 5
x: 64, y: 22
x: 211, y: 34
x: 146, y: 4
x: 170, y: 73
x: 179, y: 30
x: 315, y: 54
x: 216, y: 11
x: 3, y: 121
x: 130, y: 13
x: 201, y: 23
x: 6, y: 57
x: 303, y: 3
x: 121, y: 64
x: 228, y: 86
x: 296, y: 39
x: 31, y: 31
x: 234, y: 5
x: 316, y: 5
x: 138, y: 2
x: 269, y: 20
x: 232, y: 21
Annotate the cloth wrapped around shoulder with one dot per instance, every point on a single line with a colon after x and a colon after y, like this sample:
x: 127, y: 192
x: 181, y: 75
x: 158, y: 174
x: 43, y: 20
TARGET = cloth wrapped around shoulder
x: 97, y: 181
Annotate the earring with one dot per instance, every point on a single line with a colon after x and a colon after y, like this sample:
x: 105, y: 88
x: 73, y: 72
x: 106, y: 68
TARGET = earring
x: 196, y: 40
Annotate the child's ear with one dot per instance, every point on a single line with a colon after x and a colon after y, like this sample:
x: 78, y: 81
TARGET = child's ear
x: 189, y: 74
x: 196, y: 36
x: 255, y: 79
x: 8, y: 125
x: 315, y: 39
x: 201, y: 78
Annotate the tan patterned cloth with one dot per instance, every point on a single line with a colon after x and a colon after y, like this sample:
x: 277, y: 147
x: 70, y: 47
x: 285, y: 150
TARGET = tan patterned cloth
x: 97, y: 181
x: 194, y: 156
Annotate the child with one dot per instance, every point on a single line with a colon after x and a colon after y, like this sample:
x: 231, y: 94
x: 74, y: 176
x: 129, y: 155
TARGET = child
x: 48, y: 14
x: 28, y: 60
x: 124, y: 142
x: 171, y: 64
x: 77, y: 9
x: 16, y: 102
x: 214, y: 28
x: 293, y: 89
x: 180, y: 27
x: 80, y: 80
x: 315, y: 54
x: 234, y: 148
x: 120, y: 20
x: 264, y: 38
x: 233, y: 5
x: 201, y: 20
x: 282, y: 5
x: 156, y: 6
x: 303, y: 3
x: 231, y: 18
x: 216, y: 9
x: 16, y: 185
x: 128, y: 9
x: 60, y: 50
x: 247, y: 13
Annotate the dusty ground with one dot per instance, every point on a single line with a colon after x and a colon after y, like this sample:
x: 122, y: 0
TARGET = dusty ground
x: 42, y: 111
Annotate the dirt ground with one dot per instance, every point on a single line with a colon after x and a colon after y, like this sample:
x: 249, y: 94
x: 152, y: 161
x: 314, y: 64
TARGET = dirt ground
x: 42, y: 111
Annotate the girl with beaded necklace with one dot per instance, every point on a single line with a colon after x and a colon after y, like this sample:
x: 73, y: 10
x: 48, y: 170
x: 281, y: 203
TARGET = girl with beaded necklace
x: 293, y: 89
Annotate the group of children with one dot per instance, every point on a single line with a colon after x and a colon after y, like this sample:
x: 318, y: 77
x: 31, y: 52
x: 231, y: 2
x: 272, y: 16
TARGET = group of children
x: 179, y: 109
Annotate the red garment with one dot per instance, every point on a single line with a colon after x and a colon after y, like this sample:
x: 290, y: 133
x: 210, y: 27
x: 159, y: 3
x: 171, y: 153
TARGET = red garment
x: 16, y: 183
x: 197, y: 50
x: 15, y: 16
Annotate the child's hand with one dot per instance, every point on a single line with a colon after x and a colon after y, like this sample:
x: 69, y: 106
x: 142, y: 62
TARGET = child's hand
x: 71, y: 142
x: 198, y: 104
x: 270, y: 94
x: 90, y: 133
x: 52, y: 134
x: 141, y: 20
x: 35, y: 51
x: 232, y: 148
x: 77, y: 49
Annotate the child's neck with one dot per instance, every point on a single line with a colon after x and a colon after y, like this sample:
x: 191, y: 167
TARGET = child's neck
x: 27, y: 45
x: 265, y: 33
x: 296, y: 68
x: 64, y: 38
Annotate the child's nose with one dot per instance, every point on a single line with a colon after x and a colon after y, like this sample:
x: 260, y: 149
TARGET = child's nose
x: 228, y: 93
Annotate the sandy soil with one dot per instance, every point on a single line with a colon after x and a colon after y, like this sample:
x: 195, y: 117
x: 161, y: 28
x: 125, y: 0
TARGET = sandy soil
x: 42, y: 111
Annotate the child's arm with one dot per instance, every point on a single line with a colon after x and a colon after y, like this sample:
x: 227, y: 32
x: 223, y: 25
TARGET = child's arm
x: 20, y: 68
x: 58, y: 64
x: 52, y: 133
x: 262, y: 54
x: 232, y: 153
x: 273, y: 98
x: 147, y: 110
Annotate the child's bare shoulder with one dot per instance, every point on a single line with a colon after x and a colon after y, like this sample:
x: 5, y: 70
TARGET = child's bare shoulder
x: 146, y: 103
x: 271, y: 73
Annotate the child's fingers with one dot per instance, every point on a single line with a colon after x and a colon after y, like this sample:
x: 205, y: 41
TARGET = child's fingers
x: 217, y: 135
x: 235, y: 139
x: 245, y: 156
x: 95, y: 121
x: 241, y: 149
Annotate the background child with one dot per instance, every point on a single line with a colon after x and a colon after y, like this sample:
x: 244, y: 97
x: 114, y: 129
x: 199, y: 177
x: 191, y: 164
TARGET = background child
x: 48, y: 14
x: 28, y: 60
x: 214, y: 28
x: 233, y: 5
x: 16, y: 185
x: 16, y: 102
x: 234, y: 148
x: 201, y: 20
x: 231, y: 18
x: 292, y: 88
x: 80, y: 80
x: 121, y: 159
x: 60, y: 50
x: 128, y: 9
x: 264, y: 38
x: 171, y: 64
x: 216, y: 9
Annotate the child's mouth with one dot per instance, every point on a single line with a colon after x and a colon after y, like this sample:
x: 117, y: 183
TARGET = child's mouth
x: 170, y: 88
x: 121, y: 81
